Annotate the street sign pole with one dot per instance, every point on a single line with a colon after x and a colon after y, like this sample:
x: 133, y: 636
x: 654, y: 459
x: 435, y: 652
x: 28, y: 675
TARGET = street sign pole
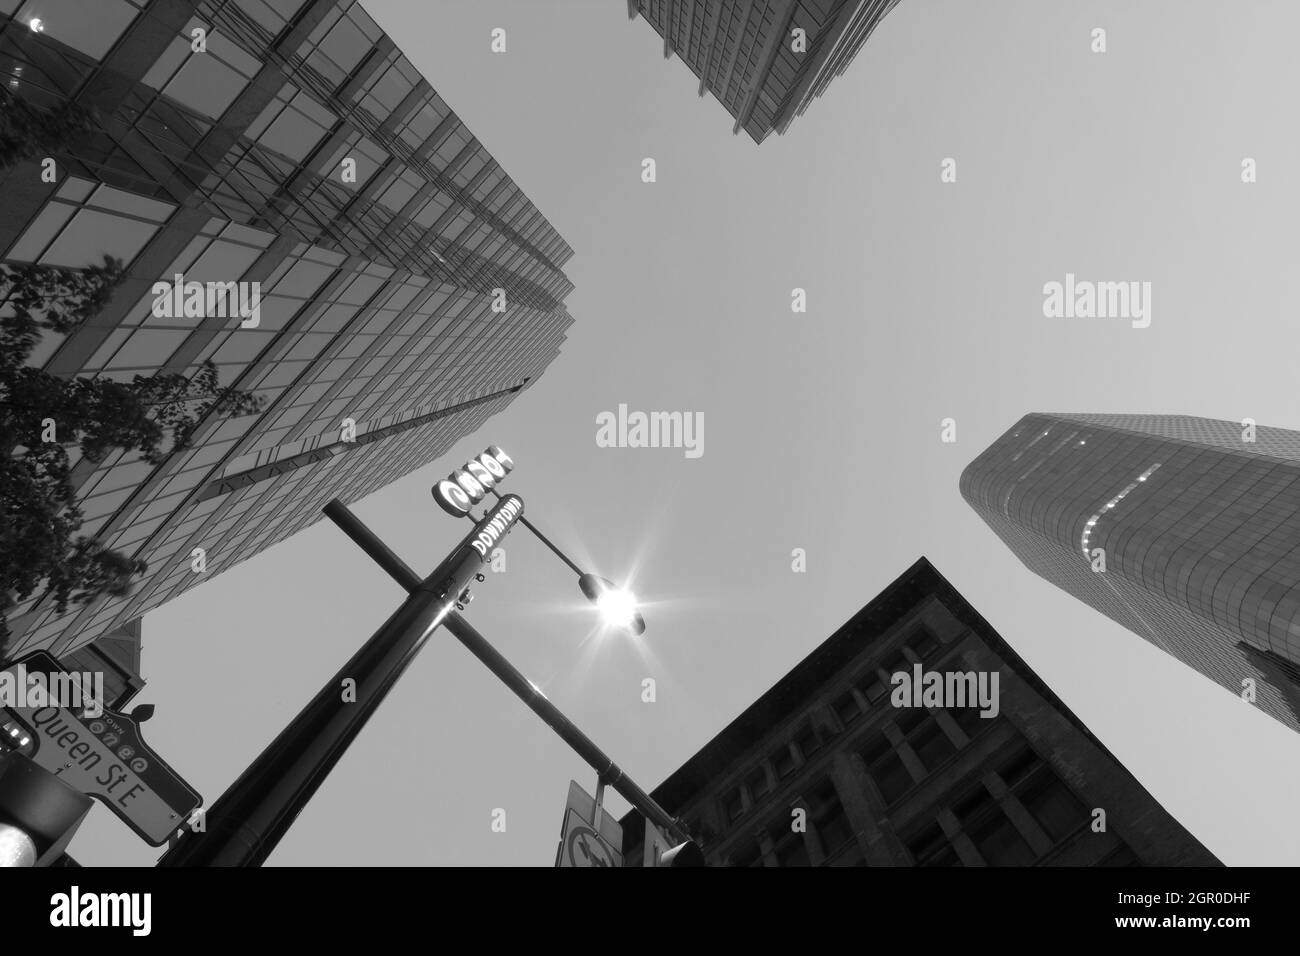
x: 600, y: 801
x: 479, y: 646
x: 250, y: 818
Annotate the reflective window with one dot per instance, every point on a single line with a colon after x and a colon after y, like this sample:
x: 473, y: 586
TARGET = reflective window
x: 149, y: 348
x: 271, y: 14
x: 277, y: 311
x: 303, y: 279
x: 345, y: 45
x: 42, y: 229
x: 243, y: 345
x: 222, y: 262
x: 361, y: 289
x: 73, y: 22
x: 106, y: 197
x: 298, y: 128
x: 333, y: 318
x: 390, y: 89
x: 105, y: 351
x: 74, y: 189
x: 166, y: 64
x: 400, y: 192
x: 309, y: 346
x: 206, y: 84
x: 91, y: 235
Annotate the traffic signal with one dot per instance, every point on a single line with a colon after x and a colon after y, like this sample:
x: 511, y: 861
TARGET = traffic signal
x: 39, y: 813
x: 660, y: 852
x: 683, y: 854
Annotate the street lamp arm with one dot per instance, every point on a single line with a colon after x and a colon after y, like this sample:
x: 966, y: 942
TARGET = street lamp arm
x: 546, y: 541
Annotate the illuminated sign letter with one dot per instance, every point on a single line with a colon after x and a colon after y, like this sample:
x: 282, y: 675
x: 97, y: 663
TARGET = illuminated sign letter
x: 467, y: 486
x: 469, y: 483
x: 451, y: 498
x: 481, y: 474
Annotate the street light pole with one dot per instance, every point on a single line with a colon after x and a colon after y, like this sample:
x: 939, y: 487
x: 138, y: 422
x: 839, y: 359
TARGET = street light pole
x: 597, y: 589
x: 524, y: 689
x: 249, y: 819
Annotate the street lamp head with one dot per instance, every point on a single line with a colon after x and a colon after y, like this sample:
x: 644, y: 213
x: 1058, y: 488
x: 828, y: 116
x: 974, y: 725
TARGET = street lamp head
x: 617, y: 606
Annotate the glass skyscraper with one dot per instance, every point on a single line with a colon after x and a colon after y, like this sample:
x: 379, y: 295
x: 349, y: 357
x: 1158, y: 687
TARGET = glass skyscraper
x: 1184, y: 530
x: 746, y: 53
x: 881, y: 784
x: 407, y: 283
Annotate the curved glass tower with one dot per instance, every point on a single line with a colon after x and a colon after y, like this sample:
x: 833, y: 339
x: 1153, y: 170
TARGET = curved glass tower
x: 1184, y: 530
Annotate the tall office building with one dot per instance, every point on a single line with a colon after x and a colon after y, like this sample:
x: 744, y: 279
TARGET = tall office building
x: 939, y: 785
x: 291, y: 144
x: 748, y: 55
x: 1181, y: 529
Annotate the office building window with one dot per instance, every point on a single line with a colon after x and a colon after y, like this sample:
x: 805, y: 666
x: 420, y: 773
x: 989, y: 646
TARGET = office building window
x: 758, y: 784
x: 733, y: 805
x: 789, y: 846
x: 1047, y: 798
x: 846, y: 708
x: 930, y: 847
x: 783, y: 761
x: 925, y: 644
x: 996, y: 838
x: 931, y: 744
x: 808, y: 742
x: 829, y: 819
x: 886, y: 769
x: 92, y: 29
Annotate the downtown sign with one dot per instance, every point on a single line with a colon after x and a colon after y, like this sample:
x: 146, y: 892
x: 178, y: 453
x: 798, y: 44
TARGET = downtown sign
x: 467, y: 486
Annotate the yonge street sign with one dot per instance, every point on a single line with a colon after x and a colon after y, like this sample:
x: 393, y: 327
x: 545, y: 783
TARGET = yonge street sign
x: 101, y: 753
x: 467, y: 486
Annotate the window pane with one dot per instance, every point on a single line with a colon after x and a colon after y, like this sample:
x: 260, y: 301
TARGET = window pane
x: 1000, y: 844
x: 43, y: 228
x: 1054, y: 806
x: 91, y: 235
x: 91, y: 28
x: 148, y: 348
x: 932, y: 745
x: 345, y: 45
x: 206, y: 84
x: 106, y: 197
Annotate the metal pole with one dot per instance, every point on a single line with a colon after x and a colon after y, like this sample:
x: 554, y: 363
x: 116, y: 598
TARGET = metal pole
x: 250, y: 818
x: 547, y: 541
x: 609, y: 771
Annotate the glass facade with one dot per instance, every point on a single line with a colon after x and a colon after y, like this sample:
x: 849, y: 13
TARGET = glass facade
x: 744, y: 51
x: 826, y: 770
x: 290, y: 144
x: 1181, y: 529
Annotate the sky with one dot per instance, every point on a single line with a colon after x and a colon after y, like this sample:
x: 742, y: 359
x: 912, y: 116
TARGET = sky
x: 822, y: 429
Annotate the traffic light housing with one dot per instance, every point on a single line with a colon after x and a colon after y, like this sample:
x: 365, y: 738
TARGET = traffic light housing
x: 683, y: 854
x: 660, y: 851
x: 41, y: 805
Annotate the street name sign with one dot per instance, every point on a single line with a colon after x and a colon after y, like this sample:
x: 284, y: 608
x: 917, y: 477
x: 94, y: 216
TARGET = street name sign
x: 103, y: 756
